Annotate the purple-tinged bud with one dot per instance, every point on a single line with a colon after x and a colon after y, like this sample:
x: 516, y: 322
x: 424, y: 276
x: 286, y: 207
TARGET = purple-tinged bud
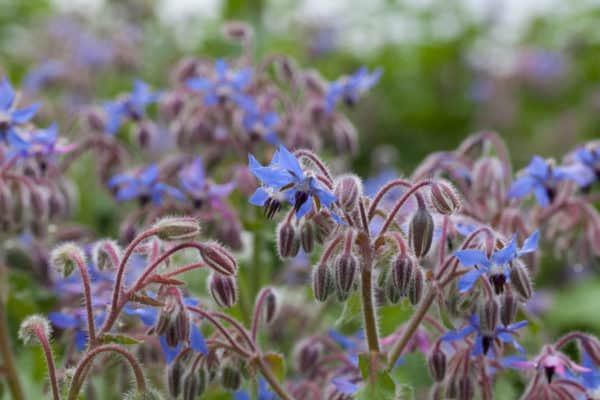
x: 63, y: 258
x: 174, y: 378
x: 270, y: 307
x: 401, y: 270
x: 106, y: 254
x: 171, y: 105
x: 347, y: 190
x: 437, y: 362
x: 420, y: 232
x: 322, y: 282
x: 182, y: 325
x: 218, y: 258
x: 415, y: 287
x: 32, y: 326
x: 175, y: 229
x: 231, y: 378
x: 465, y: 389
x: 489, y: 312
x: 307, y: 356
x: 39, y: 203
x: 346, y: 138
x: 171, y: 336
x: 307, y: 236
x: 345, y: 267
x: 508, y: 308
x: 145, y: 133
x: 288, y: 243
x: 444, y: 198
x: 191, y: 383
x: 287, y: 70
x: 520, y: 280
x: 166, y: 316
x: 95, y: 120
x: 237, y: 30
x: 324, y: 225
x: 392, y: 293
x: 223, y: 289
x: 315, y: 82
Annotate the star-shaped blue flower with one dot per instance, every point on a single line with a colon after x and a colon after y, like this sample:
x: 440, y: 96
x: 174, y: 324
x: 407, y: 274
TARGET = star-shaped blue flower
x: 350, y: 88
x: 497, y: 266
x: 541, y: 178
x: 284, y: 175
x: 133, y: 105
x: 258, y: 122
x: 145, y: 186
x: 589, y: 156
x: 194, y: 182
x: 225, y: 84
x: 10, y: 117
x: 504, y: 334
x: 76, y: 320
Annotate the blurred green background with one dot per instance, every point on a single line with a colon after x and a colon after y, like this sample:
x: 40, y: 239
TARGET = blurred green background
x: 528, y: 71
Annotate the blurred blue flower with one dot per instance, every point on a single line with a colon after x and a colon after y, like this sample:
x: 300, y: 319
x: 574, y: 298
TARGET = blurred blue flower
x: 541, y: 178
x: 264, y: 393
x: 39, y: 142
x: 225, y: 84
x: 77, y: 320
x: 44, y: 73
x: 589, y: 156
x: 195, y: 183
x: 285, y: 174
x: 144, y: 185
x: 256, y: 121
x: 132, y: 105
x: 352, y: 345
x: 496, y: 266
x: 504, y: 334
x: 345, y: 385
x: 350, y: 88
x: 10, y: 117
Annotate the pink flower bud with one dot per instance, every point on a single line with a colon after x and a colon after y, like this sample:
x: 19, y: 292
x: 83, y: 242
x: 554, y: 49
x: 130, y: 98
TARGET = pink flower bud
x: 401, y: 270
x: 348, y: 190
x: 489, y: 312
x: 288, y: 243
x: 508, y: 308
x: 345, y: 267
x: 218, y: 258
x: 223, y: 289
x: 436, y: 363
x: 415, y: 288
x: 444, y: 198
x: 307, y: 236
x: 420, y: 232
x: 466, y: 391
x: 173, y: 229
x: 520, y: 280
x: 322, y: 282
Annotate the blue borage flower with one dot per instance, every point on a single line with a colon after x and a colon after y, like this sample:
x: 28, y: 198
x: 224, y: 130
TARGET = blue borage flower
x: 10, y: 117
x: 350, y: 88
x: 132, y: 105
x: 284, y: 180
x: 77, y: 320
x: 225, y: 84
x: 38, y: 142
x: 352, y: 345
x: 264, y: 393
x: 194, y: 182
x: 144, y: 185
x: 589, y: 156
x: 496, y: 267
x: 483, y: 341
x: 257, y: 121
x: 541, y: 178
x: 148, y: 315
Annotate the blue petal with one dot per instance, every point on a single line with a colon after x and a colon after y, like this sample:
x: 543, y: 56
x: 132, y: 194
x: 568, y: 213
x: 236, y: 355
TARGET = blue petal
x: 289, y: 161
x: 200, y: 84
x: 7, y: 94
x: 471, y: 257
x: 453, y: 336
x: 506, y: 254
x: 521, y: 186
x: 478, y: 346
x: 25, y: 114
x: 517, y: 325
x: 259, y: 197
x: 150, y: 174
x: 344, y: 386
x: 197, y: 341
x: 241, y: 395
x: 539, y: 168
x: 169, y: 352
x: 466, y: 282
x: 62, y: 320
x: 531, y: 243
x: 146, y: 314
x: 81, y: 340
x: 541, y: 195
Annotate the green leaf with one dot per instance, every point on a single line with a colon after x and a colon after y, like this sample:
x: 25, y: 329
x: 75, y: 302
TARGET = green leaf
x: 352, y: 310
x: 276, y: 363
x: 382, y: 387
x: 117, y: 339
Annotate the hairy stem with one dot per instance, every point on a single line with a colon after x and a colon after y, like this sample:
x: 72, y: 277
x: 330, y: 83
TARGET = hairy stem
x: 49, y: 361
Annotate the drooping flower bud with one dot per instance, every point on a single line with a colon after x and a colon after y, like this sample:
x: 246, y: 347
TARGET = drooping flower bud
x: 420, y: 232
x: 182, y: 326
x: 166, y: 316
x: 345, y: 267
x: 175, y: 373
x: 392, y: 293
x: 32, y: 326
x: 437, y: 363
x: 223, y: 289
x: 466, y: 391
x: 288, y: 243
x: 307, y: 355
x: 218, y: 258
x: 231, y: 378
x: 322, y: 282
x: 347, y: 190
x: 63, y: 258
x: 415, y: 287
x: 508, y: 308
x: 174, y: 229
x: 520, y: 280
x: 307, y: 236
x: 488, y: 319
x: 401, y: 270
x: 191, y: 383
x: 324, y: 226
x: 106, y: 255
x: 237, y: 30
x: 270, y: 307
x: 444, y: 198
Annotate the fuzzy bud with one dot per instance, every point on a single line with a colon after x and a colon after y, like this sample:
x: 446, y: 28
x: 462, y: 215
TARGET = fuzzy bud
x: 166, y: 316
x: 307, y: 356
x: 32, y: 326
x: 218, y: 258
x: 520, y: 280
x: 392, y: 293
x: 191, y: 383
x: 402, y: 269
x: 270, y: 306
x: 444, y: 198
x: 175, y: 373
x: 508, y: 308
x: 345, y: 267
x: 489, y: 312
x: 106, y: 254
x: 231, y: 378
x: 307, y: 236
x: 420, y: 232
x: 437, y: 362
x: 64, y: 257
x: 182, y: 326
x: 288, y: 243
x: 347, y: 190
x: 324, y: 225
x: 174, y: 229
x: 415, y: 287
x: 223, y: 289
x: 322, y: 282
x: 465, y: 389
